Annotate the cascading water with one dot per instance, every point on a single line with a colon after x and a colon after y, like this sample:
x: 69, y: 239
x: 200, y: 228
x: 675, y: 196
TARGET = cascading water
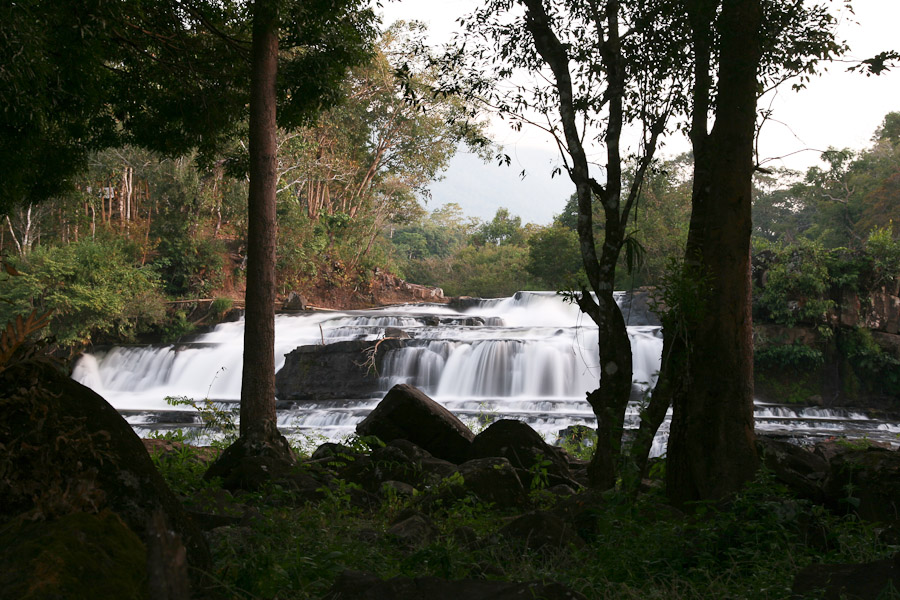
x: 531, y: 357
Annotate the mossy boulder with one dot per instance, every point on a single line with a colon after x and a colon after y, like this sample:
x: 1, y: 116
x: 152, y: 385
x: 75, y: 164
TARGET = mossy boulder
x: 66, y: 450
x: 79, y: 556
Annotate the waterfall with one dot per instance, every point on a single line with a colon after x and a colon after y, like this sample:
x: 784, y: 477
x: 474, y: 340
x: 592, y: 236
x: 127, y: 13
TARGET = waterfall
x: 531, y: 356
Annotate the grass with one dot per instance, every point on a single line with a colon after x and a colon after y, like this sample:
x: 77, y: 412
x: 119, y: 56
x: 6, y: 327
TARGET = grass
x: 750, y: 547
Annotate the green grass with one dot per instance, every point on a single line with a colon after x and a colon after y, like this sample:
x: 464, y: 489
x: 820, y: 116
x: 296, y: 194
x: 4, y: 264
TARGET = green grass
x: 750, y: 547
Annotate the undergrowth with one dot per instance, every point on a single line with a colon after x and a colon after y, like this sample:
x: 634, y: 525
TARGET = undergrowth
x: 749, y: 547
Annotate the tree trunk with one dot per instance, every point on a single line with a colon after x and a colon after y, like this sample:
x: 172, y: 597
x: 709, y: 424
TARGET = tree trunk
x: 712, y: 442
x: 258, y: 421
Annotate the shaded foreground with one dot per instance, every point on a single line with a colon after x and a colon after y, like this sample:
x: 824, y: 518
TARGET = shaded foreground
x: 501, y: 516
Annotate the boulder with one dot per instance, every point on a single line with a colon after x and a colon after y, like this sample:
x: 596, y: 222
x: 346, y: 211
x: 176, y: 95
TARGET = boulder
x: 637, y: 307
x: 407, y: 413
x: 867, y: 481
x: 539, y: 530
x: 413, y: 532
x: 66, y: 450
x: 295, y: 301
x: 365, y: 586
x: 493, y: 480
x: 332, y: 371
x: 869, y: 581
x: 525, y: 449
x: 79, y: 556
x: 798, y: 468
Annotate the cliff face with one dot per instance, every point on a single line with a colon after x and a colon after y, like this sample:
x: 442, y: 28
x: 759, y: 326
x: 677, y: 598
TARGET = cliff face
x: 849, y: 355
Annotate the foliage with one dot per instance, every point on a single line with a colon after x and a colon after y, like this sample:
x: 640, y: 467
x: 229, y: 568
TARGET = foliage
x: 874, y: 370
x: 750, y: 546
x: 93, y: 288
x: 796, y: 356
x: 795, y: 290
x: 554, y: 258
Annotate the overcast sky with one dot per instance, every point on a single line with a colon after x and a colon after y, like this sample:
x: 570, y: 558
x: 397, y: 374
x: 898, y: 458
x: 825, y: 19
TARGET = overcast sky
x: 837, y: 109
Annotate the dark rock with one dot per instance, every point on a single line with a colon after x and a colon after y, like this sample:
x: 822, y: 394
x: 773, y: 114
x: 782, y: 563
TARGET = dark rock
x: 434, y: 470
x: 67, y: 450
x: 465, y: 537
x: 383, y: 464
x: 412, y: 451
x: 868, y: 581
x: 332, y: 450
x: 493, y: 480
x: 463, y: 303
x: 332, y: 371
x: 637, y: 307
x: 79, y: 556
x: 561, y: 490
x: 538, y: 530
x: 397, y: 488
x: 395, y: 333
x: 407, y: 413
x: 867, y: 481
x: 525, y: 449
x: 798, y: 468
x: 364, y: 586
x: 414, y: 532
x: 295, y: 301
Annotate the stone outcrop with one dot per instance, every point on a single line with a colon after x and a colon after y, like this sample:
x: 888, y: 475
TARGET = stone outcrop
x: 846, y: 479
x: 332, y: 371
x: 525, y: 449
x: 407, y: 413
x: 66, y: 451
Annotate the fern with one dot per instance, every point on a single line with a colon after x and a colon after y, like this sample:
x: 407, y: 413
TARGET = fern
x: 17, y: 332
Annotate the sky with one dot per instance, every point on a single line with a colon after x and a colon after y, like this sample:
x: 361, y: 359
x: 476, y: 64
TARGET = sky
x: 837, y: 109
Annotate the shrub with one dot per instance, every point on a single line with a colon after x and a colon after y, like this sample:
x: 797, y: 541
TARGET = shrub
x: 92, y: 287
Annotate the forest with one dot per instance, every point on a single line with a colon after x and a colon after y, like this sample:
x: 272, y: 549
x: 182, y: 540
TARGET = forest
x: 166, y: 162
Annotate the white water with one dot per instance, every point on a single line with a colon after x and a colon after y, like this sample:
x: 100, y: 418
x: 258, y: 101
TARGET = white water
x: 531, y: 357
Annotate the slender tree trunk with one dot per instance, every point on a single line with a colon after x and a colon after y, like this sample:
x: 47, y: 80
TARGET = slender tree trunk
x: 712, y: 442
x: 258, y: 421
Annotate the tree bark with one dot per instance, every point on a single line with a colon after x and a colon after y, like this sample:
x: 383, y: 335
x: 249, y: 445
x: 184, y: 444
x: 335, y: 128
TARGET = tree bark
x: 258, y: 420
x: 712, y: 442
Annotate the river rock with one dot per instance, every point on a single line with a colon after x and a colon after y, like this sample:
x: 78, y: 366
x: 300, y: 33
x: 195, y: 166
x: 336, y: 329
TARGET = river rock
x: 332, y: 371
x: 525, y: 449
x: 407, y: 413
x: 295, y: 301
x: 637, y: 307
x: 365, y: 586
x: 66, y: 450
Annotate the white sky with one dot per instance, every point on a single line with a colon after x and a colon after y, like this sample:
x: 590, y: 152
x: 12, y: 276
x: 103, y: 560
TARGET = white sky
x: 837, y: 109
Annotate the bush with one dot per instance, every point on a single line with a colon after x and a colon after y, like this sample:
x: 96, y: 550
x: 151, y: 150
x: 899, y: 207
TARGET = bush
x: 796, y: 286
x: 92, y: 287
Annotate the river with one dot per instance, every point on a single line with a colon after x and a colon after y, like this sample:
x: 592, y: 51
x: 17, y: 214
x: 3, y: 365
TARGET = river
x: 530, y: 357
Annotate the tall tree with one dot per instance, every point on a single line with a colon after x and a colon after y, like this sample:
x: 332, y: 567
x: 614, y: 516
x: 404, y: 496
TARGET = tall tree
x: 605, y: 71
x: 738, y: 48
x: 711, y: 441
